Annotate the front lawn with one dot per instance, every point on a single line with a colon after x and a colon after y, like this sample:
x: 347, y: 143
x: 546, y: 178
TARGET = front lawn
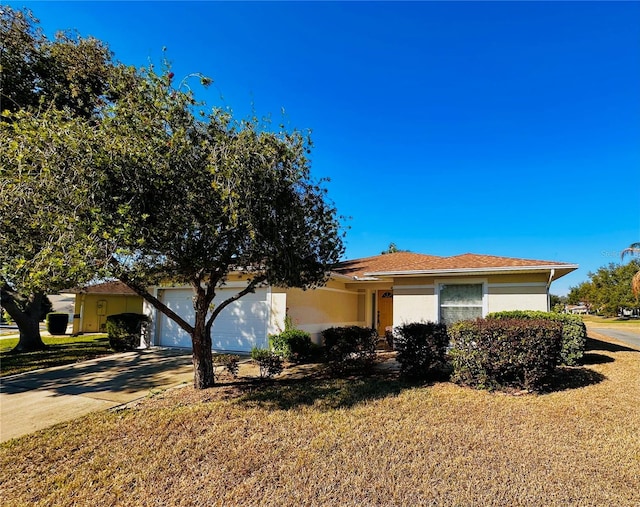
x: 60, y: 350
x: 360, y: 441
x: 611, y: 322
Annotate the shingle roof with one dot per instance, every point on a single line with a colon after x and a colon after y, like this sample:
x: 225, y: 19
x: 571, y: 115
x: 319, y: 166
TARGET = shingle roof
x: 409, y: 262
x: 113, y: 287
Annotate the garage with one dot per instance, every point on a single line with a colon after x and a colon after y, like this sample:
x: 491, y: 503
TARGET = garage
x: 241, y: 326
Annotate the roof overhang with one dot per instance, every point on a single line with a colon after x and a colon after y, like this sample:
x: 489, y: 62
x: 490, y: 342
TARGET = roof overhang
x: 558, y: 270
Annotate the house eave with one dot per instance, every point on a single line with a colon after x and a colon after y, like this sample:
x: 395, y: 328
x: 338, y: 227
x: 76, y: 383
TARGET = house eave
x: 560, y: 270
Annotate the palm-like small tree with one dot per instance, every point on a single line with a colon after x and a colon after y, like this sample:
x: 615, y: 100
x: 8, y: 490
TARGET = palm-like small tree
x: 632, y: 250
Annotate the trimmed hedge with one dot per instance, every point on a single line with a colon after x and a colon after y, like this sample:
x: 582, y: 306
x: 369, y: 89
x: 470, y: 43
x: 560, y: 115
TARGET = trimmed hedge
x: 420, y: 347
x: 125, y: 330
x: 57, y: 323
x: 504, y: 353
x: 350, y: 347
x: 293, y: 345
x: 574, y: 332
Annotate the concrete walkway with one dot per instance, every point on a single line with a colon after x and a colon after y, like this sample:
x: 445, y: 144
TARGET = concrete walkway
x: 37, y: 400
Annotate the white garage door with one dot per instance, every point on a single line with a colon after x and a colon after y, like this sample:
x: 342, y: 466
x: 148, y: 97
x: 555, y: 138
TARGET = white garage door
x: 241, y: 325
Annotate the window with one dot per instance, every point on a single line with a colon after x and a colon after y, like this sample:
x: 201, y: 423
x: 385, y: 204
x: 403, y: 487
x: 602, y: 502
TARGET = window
x: 460, y: 302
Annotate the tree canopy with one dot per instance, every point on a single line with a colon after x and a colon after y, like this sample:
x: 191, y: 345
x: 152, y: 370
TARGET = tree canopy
x: 608, y: 289
x: 68, y: 73
x: 191, y: 196
x: 50, y: 91
x: 392, y: 249
x: 120, y: 172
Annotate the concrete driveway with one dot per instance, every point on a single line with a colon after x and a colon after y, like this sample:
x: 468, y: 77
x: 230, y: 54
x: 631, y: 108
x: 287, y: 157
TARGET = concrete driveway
x: 36, y: 400
x: 629, y: 336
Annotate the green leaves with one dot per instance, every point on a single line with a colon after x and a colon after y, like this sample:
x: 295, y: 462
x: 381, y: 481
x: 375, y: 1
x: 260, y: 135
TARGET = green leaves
x: 69, y: 73
x: 608, y: 289
x: 46, y: 199
x: 112, y: 171
x: 213, y: 195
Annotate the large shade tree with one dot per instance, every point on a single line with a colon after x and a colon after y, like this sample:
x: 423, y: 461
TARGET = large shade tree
x: 115, y: 171
x: 51, y: 94
x: 191, y: 195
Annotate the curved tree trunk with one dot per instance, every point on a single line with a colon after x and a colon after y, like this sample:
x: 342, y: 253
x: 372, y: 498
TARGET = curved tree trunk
x: 26, y: 315
x: 30, y: 339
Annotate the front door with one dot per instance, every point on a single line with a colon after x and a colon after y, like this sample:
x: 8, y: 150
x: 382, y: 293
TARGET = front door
x: 385, y: 311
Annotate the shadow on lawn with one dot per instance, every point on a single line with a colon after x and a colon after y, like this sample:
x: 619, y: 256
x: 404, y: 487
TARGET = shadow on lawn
x: 566, y: 377
x: 595, y: 344
x: 326, y: 392
x: 323, y: 391
x: 593, y: 358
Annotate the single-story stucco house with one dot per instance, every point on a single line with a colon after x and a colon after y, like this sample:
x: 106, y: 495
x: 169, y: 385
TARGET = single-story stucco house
x: 378, y: 292
x: 94, y: 303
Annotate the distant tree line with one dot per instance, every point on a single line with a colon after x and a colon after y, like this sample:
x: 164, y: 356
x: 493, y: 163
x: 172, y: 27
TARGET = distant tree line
x: 608, y: 289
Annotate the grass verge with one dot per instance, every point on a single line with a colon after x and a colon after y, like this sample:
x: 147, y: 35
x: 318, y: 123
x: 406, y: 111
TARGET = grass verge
x: 361, y: 441
x: 60, y: 350
x: 611, y: 322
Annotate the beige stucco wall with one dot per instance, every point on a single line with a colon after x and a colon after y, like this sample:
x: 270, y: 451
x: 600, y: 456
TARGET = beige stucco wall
x: 522, y: 278
x: 415, y: 299
x: 501, y: 298
x: 518, y: 292
x: 324, y: 307
x: 86, y: 318
x: 415, y: 304
x: 277, y: 313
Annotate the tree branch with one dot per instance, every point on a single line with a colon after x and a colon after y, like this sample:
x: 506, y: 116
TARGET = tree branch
x: 155, y: 302
x: 249, y: 288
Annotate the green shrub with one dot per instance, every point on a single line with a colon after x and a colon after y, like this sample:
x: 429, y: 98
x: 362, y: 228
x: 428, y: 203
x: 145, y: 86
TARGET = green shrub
x: 269, y: 362
x: 57, y: 323
x: 350, y: 347
x: 229, y: 361
x: 293, y: 345
x: 574, y: 332
x: 504, y: 353
x: 420, y: 347
x: 125, y: 330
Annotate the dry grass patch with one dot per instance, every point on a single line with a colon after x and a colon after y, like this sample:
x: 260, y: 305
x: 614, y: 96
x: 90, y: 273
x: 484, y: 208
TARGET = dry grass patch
x: 351, y: 441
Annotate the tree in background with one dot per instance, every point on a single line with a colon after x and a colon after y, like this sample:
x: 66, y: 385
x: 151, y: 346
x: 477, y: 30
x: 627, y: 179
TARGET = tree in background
x: 69, y: 72
x: 392, y: 249
x: 608, y: 289
x: 557, y: 302
x: 633, y: 250
x: 51, y: 91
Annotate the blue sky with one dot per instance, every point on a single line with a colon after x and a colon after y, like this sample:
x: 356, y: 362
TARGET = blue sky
x: 503, y: 128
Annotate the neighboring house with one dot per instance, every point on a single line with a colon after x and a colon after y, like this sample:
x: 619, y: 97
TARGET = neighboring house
x: 94, y: 303
x: 580, y: 309
x: 379, y: 292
